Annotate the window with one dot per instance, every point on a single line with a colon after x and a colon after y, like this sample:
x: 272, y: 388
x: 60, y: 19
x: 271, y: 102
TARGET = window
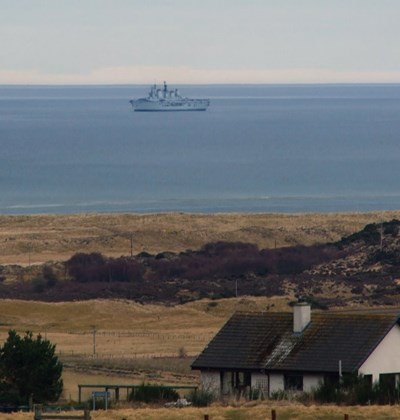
x: 368, y: 379
x: 293, y: 382
x: 387, y: 380
x: 235, y: 381
x: 240, y: 379
x: 331, y: 379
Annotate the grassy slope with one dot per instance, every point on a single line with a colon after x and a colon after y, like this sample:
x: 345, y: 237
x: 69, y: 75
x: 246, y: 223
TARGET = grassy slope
x: 121, y: 315
x: 128, y: 333
x: 125, y: 328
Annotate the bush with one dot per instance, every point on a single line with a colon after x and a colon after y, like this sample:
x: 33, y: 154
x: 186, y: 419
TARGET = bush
x: 201, y: 397
x: 9, y: 395
x: 214, y: 305
x: 279, y: 395
x: 38, y: 285
x: 100, y: 403
x: 29, y: 367
x: 370, y: 235
x: 328, y: 393
x: 255, y: 394
x: 357, y: 390
x: 182, y: 353
x: 153, y: 393
x: 49, y: 275
x: 84, y: 268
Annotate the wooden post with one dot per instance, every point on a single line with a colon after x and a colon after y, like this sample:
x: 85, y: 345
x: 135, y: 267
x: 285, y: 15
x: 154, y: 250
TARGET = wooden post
x: 87, y: 414
x: 131, y: 245
x: 273, y: 415
x: 38, y: 412
x: 94, y: 339
x: 205, y: 416
x: 346, y: 417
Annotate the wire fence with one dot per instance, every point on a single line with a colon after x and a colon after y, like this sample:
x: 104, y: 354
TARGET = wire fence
x: 104, y: 355
x: 149, y: 334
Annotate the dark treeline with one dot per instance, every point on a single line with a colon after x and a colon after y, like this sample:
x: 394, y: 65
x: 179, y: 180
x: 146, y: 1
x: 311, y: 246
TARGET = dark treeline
x: 365, y: 264
x: 213, y: 261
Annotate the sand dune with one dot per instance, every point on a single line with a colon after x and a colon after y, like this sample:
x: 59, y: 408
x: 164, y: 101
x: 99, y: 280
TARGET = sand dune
x: 36, y: 239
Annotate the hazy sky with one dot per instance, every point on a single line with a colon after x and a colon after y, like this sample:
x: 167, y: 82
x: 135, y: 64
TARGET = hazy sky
x: 199, y: 41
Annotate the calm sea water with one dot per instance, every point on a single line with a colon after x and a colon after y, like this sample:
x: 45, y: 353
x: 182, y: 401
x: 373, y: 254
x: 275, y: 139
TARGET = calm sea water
x: 257, y: 148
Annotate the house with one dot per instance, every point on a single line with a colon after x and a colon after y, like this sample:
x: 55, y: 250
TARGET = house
x: 298, y: 351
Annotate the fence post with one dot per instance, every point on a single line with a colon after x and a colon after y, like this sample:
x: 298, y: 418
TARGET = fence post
x: 273, y: 414
x: 346, y: 417
x: 38, y: 412
x: 87, y: 414
x: 205, y: 416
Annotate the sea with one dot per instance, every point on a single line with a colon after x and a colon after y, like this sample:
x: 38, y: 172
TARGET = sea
x: 258, y: 148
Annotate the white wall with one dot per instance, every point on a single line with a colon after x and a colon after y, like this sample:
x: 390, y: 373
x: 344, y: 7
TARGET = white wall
x: 276, y: 382
x: 385, y: 358
x: 211, y: 380
x: 269, y: 383
x: 226, y: 383
x: 312, y: 381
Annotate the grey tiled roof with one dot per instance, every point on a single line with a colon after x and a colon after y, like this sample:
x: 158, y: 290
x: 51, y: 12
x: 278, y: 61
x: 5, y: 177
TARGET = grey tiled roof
x: 266, y: 341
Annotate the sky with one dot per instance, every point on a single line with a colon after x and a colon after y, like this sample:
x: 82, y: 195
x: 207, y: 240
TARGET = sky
x: 199, y: 41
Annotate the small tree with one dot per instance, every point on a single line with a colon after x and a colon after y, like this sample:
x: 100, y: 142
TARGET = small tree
x: 29, y: 367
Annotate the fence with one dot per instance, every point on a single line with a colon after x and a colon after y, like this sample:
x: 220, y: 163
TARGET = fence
x: 274, y: 416
x: 105, y: 344
x: 39, y: 415
x: 149, y: 334
x: 101, y: 355
x: 127, y: 387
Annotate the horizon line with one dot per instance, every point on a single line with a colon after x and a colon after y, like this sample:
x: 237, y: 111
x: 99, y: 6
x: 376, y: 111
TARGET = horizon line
x: 203, y: 84
x: 188, y: 75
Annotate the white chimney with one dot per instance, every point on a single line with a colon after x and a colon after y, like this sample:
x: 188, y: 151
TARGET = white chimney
x: 301, y: 316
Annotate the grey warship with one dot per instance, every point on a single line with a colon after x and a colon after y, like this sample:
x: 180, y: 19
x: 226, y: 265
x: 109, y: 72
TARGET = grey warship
x: 168, y: 100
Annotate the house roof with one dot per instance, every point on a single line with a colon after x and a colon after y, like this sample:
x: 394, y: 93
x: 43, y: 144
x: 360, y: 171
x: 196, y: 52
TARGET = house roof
x: 266, y: 341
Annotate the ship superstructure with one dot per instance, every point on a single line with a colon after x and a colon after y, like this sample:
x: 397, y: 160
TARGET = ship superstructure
x: 168, y: 100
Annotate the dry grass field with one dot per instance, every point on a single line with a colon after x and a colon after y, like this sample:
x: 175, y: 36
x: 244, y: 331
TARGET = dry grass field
x: 36, y: 239
x: 254, y: 411
x: 134, y: 342
x: 198, y: 317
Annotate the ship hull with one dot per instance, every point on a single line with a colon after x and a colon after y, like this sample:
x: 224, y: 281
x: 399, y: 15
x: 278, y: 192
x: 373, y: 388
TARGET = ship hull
x: 169, y: 106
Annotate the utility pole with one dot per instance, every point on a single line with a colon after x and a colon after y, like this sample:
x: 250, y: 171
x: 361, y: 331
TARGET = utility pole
x: 131, y: 245
x: 94, y: 339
